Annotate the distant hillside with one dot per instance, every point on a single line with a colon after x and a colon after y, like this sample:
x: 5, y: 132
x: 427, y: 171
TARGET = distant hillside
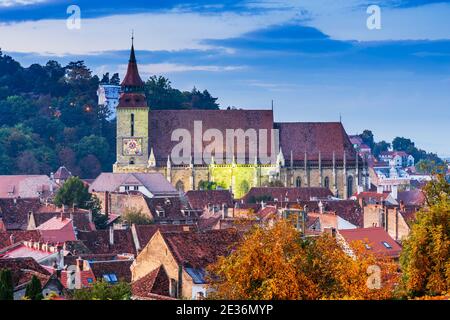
x: 49, y: 117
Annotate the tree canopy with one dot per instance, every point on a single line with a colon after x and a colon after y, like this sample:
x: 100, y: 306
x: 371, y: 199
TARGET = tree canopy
x: 277, y: 263
x: 425, y: 258
x: 429, y: 162
x: 49, y: 116
x: 102, y: 290
x: 6, y: 285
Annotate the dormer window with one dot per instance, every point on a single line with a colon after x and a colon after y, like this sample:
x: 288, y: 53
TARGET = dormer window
x: 160, y: 212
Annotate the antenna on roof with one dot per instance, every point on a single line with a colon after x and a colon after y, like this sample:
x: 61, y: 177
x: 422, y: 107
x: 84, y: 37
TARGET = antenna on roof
x: 340, y: 117
x: 272, y: 104
x: 132, y: 36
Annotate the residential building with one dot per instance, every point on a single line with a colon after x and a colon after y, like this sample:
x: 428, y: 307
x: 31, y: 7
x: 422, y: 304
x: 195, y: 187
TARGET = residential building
x: 375, y: 240
x: 184, y: 257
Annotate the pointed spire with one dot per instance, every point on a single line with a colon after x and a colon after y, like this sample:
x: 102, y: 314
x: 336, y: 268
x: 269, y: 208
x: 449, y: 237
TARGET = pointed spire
x: 169, y: 162
x: 151, y: 159
x: 132, y: 78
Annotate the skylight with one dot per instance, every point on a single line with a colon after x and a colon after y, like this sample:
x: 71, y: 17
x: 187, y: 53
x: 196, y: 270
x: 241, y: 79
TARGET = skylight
x: 387, y: 245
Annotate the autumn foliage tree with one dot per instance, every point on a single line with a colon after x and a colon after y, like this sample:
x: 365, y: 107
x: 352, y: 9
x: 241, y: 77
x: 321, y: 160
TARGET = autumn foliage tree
x: 425, y: 259
x: 277, y: 263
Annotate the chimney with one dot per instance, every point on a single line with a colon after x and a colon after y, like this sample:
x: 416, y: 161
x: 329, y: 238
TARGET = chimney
x: 224, y: 211
x: 111, y: 235
x: 52, y: 180
x: 394, y: 192
x: 402, y: 206
x: 11, y: 238
x: 320, y: 207
x: 80, y: 264
x: 379, y: 189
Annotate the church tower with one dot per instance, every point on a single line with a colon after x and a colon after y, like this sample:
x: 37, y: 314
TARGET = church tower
x: 132, y: 122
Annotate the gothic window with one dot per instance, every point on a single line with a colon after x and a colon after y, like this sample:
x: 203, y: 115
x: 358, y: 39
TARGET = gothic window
x: 180, y: 186
x: 132, y: 161
x: 132, y: 125
x: 349, y: 187
x: 298, y: 182
x: 326, y: 182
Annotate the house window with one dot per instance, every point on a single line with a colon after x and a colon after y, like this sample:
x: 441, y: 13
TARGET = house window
x: 349, y: 186
x: 90, y: 280
x: 298, y: 182
x: 132, y: 124
x: 326, y: 182
x: 180, y: 186
x: 111, y: 278
x: 173, y: 288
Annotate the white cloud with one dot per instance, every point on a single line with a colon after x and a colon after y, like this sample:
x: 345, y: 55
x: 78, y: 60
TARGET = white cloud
x: 16, y: 3
x: 153, y: 31
x: 346, y: 20
x: 164, y: 68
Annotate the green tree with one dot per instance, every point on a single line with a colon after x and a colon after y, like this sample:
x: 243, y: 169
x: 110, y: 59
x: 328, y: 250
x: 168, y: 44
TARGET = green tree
x: 100, y: 220
x: 115, y: 80
x: 207, y: 185
x: 425, y: 259
x: 136, y: 216
x: 367, y: 138
x: 6, y: 285
x: 102, y: 290
x: 73, y: 193
x: 380, y: 147
x: 33, y: 290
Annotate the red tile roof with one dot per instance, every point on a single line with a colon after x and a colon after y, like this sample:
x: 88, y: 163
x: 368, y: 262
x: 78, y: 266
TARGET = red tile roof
x: 163, y: 122
x: 24, y: 186
x: 146, y: 232
x: 315, y: 137
x: 156, y: 282
x: 121, y: 268
x: 62, y: 173
x: 412, y: 197
x: 58, y: 229
x: 349, y: 210
x: 199, y: 249
x: 199, y: 199
x: 14, y: 213
x: 374, y: 237
x: 20, y: 265
x: 156, y: 183
x: 8, y: 238
x: 281, y: 193
x: 98, y: 241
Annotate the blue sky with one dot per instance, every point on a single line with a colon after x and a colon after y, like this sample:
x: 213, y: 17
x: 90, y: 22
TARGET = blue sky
x: 315, y: 58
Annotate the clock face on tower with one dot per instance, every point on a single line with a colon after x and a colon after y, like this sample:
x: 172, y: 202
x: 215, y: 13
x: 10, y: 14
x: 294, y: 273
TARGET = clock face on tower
x: 132, y: 147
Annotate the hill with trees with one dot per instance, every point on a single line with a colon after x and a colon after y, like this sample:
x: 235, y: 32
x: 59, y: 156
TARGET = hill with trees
x: 49, y: 116
x: 425, y: 162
